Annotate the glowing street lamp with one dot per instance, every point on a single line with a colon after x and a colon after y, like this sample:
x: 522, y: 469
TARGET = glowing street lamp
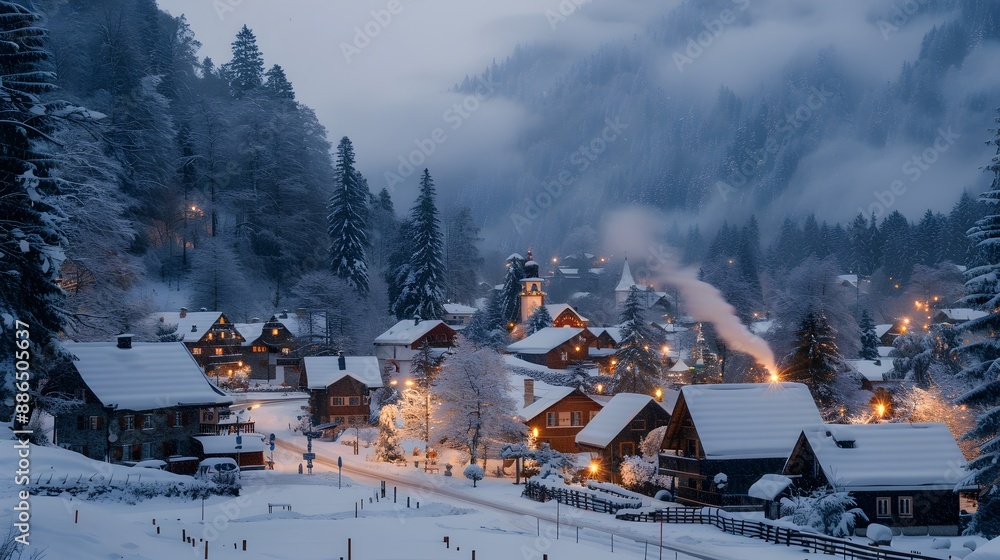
x: 659, y: 395
x: 593, y: 469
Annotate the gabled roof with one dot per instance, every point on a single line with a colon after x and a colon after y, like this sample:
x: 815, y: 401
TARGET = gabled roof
x: 679, y: 365
x: 551, y: 397
x: 323, y: 371
x: 870, y: 370
x: 459, y: 309
x: 556, y: 309
x: 614, y: 332
x: 612, y: 419
x: 249, y: 331
x: 544, y: 340
x: 922, y: 455
x: 882, y: 329
x: 147, y: 376
x: 626, y: 281
x: 406, y: 332
x: 193, y: 326
x: 960, y: 315
x: 749, y: 420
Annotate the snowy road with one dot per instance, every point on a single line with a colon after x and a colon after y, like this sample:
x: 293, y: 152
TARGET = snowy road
x: 375, y: 477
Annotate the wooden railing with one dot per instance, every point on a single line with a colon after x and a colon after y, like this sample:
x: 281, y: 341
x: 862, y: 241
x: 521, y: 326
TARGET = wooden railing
x: 814, y: 542
x: 680, y: 464
x: 583, y: 500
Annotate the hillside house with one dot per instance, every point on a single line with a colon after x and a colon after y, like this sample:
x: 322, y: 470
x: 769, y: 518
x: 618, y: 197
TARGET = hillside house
x: 743, y: 430
x: 900, y: 475
x: 339, y: 388
x: 554, y: 347
x: 141, y: 401
x: 264, y: 345
x: 457, y: 315
x: 211, y: 338
x: 396, y: 347
x: 618, y: 429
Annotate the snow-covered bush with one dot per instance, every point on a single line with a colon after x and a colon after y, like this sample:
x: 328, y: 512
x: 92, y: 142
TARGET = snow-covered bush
x: 550, y: 462
x: 641, y: 475
x: 651, y: 444
x: 879, y: 534
x: 387, y: 447
x: 721, y: 480
x: 474, y: 473
x: 824, y: 512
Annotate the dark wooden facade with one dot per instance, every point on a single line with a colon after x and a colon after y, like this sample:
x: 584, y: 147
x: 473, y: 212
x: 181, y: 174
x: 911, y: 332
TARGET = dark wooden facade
x: 934, y: 510
x: 568, y: 318
x: 560, y: 357
x: 628, y: 440
x: 345, y: 402
x: 546, y: 426
x: 220, y: 350
x: 262, y: 354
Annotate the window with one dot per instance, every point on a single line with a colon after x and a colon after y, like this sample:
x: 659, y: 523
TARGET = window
x: 576, y: 419
x: 354, y: 401
x: 128, y: 422
x: 147, y: 421
x: 222, y: 320
x: 147, y: 450
x: 552, y: 419
x: 222, y: 335
x: 906, y: 506
x: 218, y: 351
x: 259, y: 349
x: 691, y: 449
x: 336, y: 401
x: 628, y: 448
x: 126, y: 453
x: 209, y: 336
x: 638, y: 425
x: 274, y: 332
x: 95, y: 422
x: 882, y: 507
x: 196, y: 351
x: 286, y: 350
x: 338, y: 419
x: 563, y: 356
x: 178, y: 419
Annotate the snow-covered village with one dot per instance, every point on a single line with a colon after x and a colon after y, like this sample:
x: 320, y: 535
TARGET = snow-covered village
x: 551, y: 280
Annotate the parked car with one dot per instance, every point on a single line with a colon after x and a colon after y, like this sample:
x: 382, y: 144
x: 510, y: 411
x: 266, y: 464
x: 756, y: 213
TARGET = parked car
x: 151, y: 464
x: 213, y: 466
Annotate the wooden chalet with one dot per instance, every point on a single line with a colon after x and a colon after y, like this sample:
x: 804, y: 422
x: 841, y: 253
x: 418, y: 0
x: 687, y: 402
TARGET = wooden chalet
x: 141, y: 401
x: 396, y: 347
x: 901, y: 475
x: 264, y: 345
x: 558, y: 415
x: 619, y: 428
x: 210, y: 336
x: 339, y: 388
x: 742, y: 430
x: 563, y: 315
x: 554, y: 347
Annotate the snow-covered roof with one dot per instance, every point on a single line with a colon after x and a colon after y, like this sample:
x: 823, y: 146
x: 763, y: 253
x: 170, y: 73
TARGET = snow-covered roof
x: 225, y: 444
x: 769, y: 486
x: 761, y: 327
x: 323, y: 371
x: 851, y: 279
x: 555, y: 309
x: 870, y: 370
x: 569, y: 271
x: 882, y: 329
x: 310, y: 323
x: 546, y: 396
x: 147, y: 376
x: 544, y: 340
x: 679, y: 366
x: 249, y: 331
x: 612, y: 419
x: 750, y: 420
x: 192, y: 326
x: 671, y: 327
x: 459, y: 309
x: 578, y: 295
x: 626, y: 281
x: 614, y: 332
x: 887, y: 455
x: 406, y: 332
x: 962, y: 314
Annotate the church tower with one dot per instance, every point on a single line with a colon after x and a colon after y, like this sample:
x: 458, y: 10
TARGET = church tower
x: 532, y: 296
x: 624, y: 285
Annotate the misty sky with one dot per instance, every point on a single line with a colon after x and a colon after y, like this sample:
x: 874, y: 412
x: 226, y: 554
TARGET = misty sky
x: 395, y: 91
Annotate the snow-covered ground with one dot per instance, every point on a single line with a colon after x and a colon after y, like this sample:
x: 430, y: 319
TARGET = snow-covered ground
x: 491, y: 519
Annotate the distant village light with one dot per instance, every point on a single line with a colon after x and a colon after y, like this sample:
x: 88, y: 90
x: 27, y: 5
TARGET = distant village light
x: 600, y: 389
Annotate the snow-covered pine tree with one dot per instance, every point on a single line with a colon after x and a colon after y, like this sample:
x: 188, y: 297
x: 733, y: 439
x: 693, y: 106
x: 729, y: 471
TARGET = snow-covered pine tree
x: 815, y: 358
x: 463, y: 260
x: 277, y: 84
x: 539, y: 319
x: 348, y: 220
x: 637, y: 367
x: 387, y: 447
x: 31, y: 241
x: 869, y: 341
x: 509, y: 296
x: 397, y: 268
x: 983, y: 288
x: 422, y: 293
x: 246, y: 70
x: 487, y: 327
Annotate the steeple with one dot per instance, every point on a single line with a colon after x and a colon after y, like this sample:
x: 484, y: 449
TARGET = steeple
x: 532, y: 296
x: 624, y: 285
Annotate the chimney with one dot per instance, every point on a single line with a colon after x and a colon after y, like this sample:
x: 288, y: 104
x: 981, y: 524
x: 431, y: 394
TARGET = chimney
x: 416, y: 320
x: 184, y: 312
x: 203, y: 309
x: 124, y: 341
x: 341, y: 361
x: 529, y: 391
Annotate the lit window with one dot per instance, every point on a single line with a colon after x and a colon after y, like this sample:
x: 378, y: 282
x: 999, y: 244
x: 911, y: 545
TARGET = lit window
x: 218, y: 351
x: 128, y: 422
x: 196, y: 351
x: 222, y: 320
x: 882, y: 507
x: 274, y: 332
x: 259, y: 349
x: 147, y: 421
x: 209, y: 336
x: 905, y: 506
x: 286, y: 350
x: 222, y: 335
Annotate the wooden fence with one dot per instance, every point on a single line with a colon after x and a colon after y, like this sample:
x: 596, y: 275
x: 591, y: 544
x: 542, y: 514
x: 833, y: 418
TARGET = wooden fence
x: 772, y: 533
x: 583, y: 500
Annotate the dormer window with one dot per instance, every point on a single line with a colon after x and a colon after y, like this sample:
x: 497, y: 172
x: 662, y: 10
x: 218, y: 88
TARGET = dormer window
x: 274, y: 332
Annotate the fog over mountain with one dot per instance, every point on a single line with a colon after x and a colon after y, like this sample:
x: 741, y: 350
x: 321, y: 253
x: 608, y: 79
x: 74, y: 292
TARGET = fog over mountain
x: 708, y: 110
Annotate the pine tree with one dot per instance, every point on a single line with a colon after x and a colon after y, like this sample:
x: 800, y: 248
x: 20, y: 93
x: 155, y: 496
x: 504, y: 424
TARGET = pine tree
x: 382, y: 232
x: 637, y: 364
x: 30, y: 237
x: 510, y: 294
x: 397, y: 268
x: 277, y: 84
x: 983, y: 289
x: 422, y: 291
x: 815, y: 358
x: 348, y: 220
x: 387, y: 447
x: 463, y: 260
x: 487, y: 327
x: 869, y: 341
x: 539, y: 319
x: 246, y: 70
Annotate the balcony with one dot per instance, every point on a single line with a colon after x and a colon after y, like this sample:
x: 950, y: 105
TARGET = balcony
x: 226, y: 429
x: 677, y: 464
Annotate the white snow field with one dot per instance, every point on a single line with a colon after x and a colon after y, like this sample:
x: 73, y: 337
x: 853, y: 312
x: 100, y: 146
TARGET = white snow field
x: 493, y: 520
